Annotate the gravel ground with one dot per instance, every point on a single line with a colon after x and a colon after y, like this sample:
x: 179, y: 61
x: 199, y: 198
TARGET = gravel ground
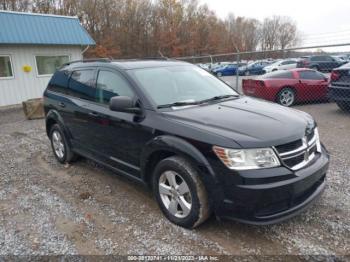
x: 51, y: 209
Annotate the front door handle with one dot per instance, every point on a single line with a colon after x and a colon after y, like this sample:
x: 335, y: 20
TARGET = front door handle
x: 61, y: 104
x: 94, y: 114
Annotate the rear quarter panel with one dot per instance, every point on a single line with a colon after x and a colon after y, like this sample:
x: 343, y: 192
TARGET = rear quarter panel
x: 269, y: 91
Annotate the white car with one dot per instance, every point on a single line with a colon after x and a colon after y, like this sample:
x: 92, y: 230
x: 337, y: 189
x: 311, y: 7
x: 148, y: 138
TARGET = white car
x: 281, y: 65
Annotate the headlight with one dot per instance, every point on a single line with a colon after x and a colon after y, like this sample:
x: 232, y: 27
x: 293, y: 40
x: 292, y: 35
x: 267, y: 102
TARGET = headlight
x: 244, y: 159
x: 318, y: 141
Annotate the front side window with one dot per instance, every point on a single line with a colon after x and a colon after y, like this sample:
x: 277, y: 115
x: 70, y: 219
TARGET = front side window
x: 47, y: 65
x: 167, y: 85
x: 82, y: 84
x: 288, y: 62
x: 5, y: 67
x: 317, y: 58
x: 111, y: 84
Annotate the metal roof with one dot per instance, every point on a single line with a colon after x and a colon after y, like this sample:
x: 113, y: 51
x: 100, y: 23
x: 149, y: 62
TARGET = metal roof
x: 42, y: 29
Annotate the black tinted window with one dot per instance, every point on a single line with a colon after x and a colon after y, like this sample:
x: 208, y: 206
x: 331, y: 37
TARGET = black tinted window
x: 111, y: 84
x: 311, y: 75
x: 59, y: 82
x: 279, y: 74
x: 317, y: 58
x: 82, y: 84
x: 288, y: 62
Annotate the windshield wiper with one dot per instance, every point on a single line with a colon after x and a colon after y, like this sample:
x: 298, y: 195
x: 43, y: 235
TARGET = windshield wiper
x: 218, y: 98
x: 179, y: 104
x: 196, y: 102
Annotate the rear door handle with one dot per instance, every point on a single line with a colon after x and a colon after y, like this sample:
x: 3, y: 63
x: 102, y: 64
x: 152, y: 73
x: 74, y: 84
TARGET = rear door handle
x: 61, y: 104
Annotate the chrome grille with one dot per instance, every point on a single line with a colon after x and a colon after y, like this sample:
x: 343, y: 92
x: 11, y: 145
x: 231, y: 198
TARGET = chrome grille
x: 299, y: 153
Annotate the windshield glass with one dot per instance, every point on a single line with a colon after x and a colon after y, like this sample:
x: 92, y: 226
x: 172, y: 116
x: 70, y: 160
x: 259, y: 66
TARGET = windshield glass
x: 168, y: 85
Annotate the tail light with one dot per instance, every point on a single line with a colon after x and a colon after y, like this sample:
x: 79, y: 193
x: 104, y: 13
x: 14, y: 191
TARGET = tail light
x: 335, y: 75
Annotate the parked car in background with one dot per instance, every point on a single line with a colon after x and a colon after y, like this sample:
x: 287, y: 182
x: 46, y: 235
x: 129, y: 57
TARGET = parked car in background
x: 218, y: 64
x: 339, y: 90
x: 280, y: 65
x: 206, y: 67
x: 288, y: 86
x: 227, y: 70
x: 324, y: 63
x: 255, y: 68
x: 344, y: 58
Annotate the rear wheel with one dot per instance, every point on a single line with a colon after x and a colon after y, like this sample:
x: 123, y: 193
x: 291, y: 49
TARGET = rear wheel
x: 180, y: 193
x: 345, y: 106
x: 286, y: 97
x: 60, y: 147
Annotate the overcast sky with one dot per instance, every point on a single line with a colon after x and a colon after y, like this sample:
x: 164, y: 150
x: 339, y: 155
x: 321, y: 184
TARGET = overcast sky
x: 323, y: 22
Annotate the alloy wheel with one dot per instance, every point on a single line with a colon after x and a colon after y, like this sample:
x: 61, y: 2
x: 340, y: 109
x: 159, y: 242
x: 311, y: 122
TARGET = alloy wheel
x: 57, y: 143
x: 287, y: 97
x: 175, y: 194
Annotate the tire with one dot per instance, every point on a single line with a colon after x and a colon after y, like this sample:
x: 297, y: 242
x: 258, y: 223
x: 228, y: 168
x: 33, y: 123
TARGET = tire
x: 286, y: 97
x: 192, y: 195
x: 219, y: 74
x: 345, y: 106
x: 247, y: 73
x: 60, y: 147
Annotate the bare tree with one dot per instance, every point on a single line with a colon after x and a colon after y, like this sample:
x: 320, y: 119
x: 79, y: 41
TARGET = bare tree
x: 287, y: 34
x: 137, y: 28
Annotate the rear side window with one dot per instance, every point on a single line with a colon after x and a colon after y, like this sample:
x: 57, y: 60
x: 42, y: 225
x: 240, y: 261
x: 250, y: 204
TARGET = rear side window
x: 311, y: 75
x: 59, y: 82
x: 317, y: 58
x: 279, y: 74
x: 82, y: 84
x: 111, y: 84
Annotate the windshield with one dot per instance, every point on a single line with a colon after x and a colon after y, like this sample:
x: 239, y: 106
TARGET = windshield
x: 168, y: 85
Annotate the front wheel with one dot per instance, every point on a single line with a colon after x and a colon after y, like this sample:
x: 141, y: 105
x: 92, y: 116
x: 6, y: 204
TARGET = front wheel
x: 286, y: 97
x: 180, y: 193
x: 345, y: 106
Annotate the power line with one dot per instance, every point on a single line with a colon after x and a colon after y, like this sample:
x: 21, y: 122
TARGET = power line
x: 330, y: 34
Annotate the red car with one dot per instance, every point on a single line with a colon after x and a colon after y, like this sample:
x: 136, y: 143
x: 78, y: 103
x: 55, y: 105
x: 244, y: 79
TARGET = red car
x: 287, y: 87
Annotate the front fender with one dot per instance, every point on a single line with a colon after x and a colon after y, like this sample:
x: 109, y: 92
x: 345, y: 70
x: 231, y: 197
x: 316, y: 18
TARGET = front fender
x: 183, y: 148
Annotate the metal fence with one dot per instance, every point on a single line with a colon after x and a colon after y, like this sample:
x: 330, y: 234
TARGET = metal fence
x: 314, y: 74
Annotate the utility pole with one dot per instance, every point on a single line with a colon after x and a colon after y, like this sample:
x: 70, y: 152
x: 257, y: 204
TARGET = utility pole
x: 237, y: 61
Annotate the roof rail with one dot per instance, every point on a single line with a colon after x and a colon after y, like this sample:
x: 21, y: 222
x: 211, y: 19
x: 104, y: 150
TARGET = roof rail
x: 106, y: 60
x: 156, y: 58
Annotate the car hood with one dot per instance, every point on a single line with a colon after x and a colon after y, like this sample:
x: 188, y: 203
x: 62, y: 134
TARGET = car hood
x: 247, y: 121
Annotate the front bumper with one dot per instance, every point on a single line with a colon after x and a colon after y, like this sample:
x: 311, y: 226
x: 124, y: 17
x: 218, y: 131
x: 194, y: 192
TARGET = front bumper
x: 272, y: 195
x: 339, y: 93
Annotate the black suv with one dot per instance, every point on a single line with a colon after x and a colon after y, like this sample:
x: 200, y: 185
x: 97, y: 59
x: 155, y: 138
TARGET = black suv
x: 201, y: 147
x: 324, y: 63
x: 339, y: 89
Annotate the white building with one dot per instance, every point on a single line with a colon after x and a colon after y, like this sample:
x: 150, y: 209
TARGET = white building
x: 32, y: 47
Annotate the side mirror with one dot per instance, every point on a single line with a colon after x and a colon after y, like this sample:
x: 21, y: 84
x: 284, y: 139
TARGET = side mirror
x: 123, y: 104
